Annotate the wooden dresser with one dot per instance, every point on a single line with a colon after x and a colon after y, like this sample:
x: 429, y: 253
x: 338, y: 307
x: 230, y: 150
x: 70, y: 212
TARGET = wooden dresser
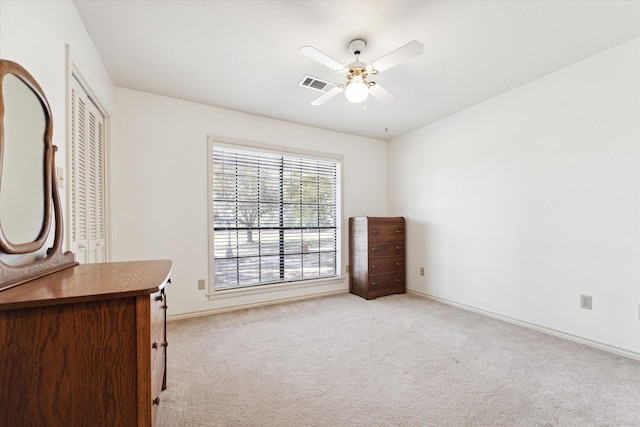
x: 377, y: 256
x: 85, y: 346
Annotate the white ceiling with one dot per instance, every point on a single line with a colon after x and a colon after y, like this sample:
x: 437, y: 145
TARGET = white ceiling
x: 243, y: 55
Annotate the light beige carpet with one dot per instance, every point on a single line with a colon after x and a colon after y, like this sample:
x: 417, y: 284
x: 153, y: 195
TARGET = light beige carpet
x: 400, y: 360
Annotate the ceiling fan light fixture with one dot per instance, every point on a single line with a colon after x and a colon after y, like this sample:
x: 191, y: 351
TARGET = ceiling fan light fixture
x: 357, y: 90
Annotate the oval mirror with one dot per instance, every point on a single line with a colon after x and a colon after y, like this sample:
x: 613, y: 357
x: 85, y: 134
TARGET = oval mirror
x: 22, y: 190
x: 29, y: 199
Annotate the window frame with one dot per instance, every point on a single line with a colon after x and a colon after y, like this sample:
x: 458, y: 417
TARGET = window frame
x: 257, y: 147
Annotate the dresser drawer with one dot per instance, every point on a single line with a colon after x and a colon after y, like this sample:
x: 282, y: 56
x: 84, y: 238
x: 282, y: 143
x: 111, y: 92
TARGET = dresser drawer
x: 157, y: 348
x: 158, y: 316
x: 386, y: 265
x: 386, y: 249
x: 386, y: 231
x: 157, y: 379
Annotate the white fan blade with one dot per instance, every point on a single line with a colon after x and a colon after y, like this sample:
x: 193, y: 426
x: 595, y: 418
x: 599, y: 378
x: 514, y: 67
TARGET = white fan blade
x: 327, y: 96
x: 382, y: 95
x: 325, y: 60
x: 399, y: 56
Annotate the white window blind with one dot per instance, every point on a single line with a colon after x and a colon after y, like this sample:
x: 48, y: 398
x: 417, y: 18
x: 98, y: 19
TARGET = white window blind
x: 275, y: 218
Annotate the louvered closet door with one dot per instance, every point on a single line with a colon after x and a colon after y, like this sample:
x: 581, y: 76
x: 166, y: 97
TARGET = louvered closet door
x: 88, y: 178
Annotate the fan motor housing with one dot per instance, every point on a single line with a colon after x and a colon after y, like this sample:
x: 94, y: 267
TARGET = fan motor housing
x: 357, y: 46
x: 355, y: 66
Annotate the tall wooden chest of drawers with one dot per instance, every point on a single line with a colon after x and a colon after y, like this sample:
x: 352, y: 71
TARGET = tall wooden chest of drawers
x: 377, y: 256
x: 85, y: 346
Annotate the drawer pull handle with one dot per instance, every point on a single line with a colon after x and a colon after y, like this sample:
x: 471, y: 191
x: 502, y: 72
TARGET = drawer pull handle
x: 399, y: 263
x: 375, y: 232
x: 155, y: 344
x: 399, y: 247
x: 160, y: 297
x: 399, y: 231
x: 374, y: 249
x: 398, y: 280
x: 375, y: 283
x: 165, y: 306
x: 375, y: 266
x: 156, y: 401
x: 164, y: 344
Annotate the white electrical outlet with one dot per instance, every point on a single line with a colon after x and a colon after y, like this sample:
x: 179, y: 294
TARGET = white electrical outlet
x: 585, y: 302
x: 422, y: 271
x: 201, y: 284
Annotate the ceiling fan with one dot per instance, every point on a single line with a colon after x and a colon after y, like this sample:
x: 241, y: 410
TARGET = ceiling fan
x: 357, y: 88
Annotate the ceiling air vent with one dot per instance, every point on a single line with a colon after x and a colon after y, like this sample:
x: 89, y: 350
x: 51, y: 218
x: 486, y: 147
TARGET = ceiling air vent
x: 316, y: 84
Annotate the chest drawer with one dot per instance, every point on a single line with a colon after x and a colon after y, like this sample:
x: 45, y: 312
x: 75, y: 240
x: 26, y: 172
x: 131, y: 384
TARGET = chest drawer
x: 386, y: 249
x: 386, y: 281
x: 386, y: 231
x: 386, y: 265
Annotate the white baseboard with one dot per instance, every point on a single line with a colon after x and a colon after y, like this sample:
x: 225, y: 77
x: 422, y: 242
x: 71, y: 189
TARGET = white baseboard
x: 253, y: 305
x: 601, y: 346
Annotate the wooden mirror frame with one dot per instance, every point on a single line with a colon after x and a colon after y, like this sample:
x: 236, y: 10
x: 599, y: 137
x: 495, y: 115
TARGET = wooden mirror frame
x: 55, y: 259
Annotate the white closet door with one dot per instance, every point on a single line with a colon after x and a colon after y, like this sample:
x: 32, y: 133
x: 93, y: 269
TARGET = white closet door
x: 87, y: 185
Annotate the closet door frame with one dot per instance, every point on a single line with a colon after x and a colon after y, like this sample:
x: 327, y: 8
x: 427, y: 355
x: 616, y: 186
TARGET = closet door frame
x: 73, y: 72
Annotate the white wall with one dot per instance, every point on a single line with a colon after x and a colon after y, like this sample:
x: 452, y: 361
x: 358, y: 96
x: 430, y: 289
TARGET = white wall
x: 159, y: 198
x: 34, y: 34
x: 520, y: 204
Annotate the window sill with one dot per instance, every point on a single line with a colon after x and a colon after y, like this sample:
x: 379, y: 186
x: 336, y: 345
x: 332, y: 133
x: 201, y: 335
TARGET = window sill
x: 276, y: 287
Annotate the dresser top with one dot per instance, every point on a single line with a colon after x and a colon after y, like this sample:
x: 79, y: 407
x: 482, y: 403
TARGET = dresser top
x: 89, y: 282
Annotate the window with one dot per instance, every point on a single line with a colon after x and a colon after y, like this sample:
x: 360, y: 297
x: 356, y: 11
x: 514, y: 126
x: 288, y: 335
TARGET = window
x: 274, y: 217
